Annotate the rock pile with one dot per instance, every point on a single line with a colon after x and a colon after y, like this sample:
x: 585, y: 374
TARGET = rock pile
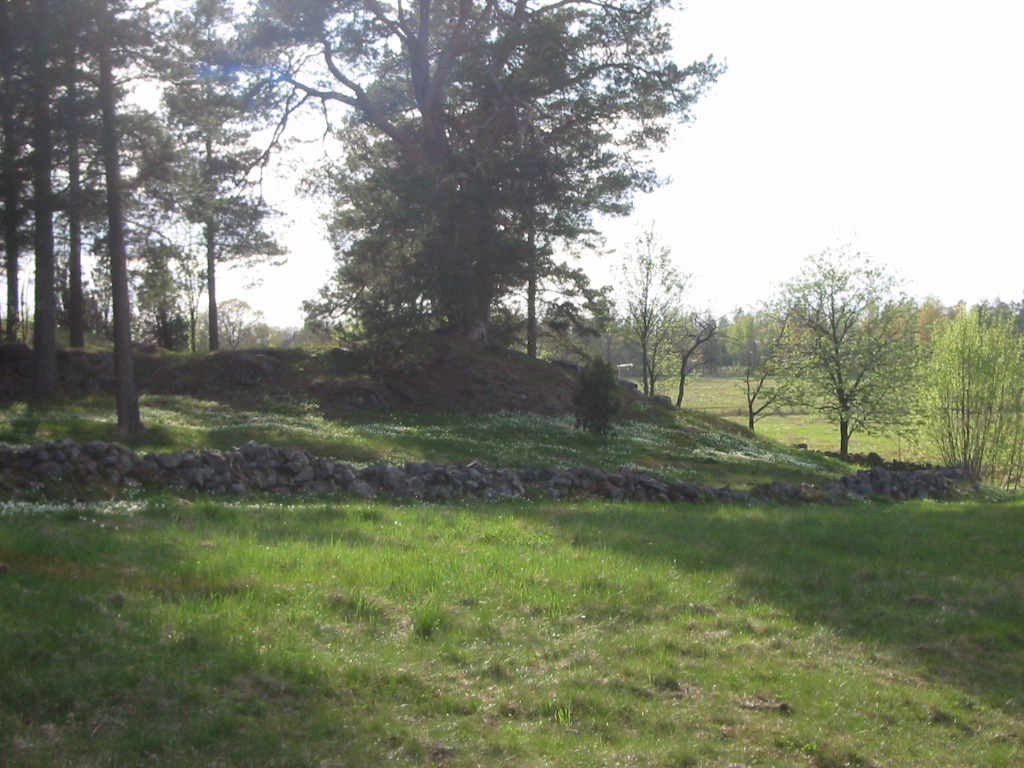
x: 935, y: 483
x: 282, y: 470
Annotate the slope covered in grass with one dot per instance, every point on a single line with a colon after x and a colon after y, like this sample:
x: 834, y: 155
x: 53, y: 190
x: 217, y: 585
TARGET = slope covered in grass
x: 674, y: 445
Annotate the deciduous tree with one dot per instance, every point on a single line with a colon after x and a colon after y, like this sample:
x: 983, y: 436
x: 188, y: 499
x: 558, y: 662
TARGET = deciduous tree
x: 851, y: 344
x: 693, y: 331
x: 973, y: 396
x: 651, y: 304
x: 755, y: 342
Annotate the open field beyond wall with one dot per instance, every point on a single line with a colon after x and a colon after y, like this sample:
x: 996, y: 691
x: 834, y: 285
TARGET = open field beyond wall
x: 723, y: 396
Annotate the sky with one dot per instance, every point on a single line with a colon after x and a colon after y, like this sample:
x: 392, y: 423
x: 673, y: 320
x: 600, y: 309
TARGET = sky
x: 894, y: 128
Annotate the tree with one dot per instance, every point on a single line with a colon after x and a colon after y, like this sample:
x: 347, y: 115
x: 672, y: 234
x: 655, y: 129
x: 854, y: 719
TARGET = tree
x: 973, y: 396
x: 129, y: 419
x: 14, y: 131
x: 755, y: 341
x: 693, y: 332
x: 76, y: 132
x: 243, y: 326
x: 160, y: 316
x: 213, y: 114
x: 851, y: 344
x: 652, y: 292
x: 480, y: 121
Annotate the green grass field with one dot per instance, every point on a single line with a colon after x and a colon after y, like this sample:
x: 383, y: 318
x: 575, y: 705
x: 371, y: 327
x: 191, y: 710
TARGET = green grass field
x: 161, y: 629
x: 166, y: 632
x: 723, y: 396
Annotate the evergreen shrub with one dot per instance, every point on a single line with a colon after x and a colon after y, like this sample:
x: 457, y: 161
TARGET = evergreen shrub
x: 597, y: 398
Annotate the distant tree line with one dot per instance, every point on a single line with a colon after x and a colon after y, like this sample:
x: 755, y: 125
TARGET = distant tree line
x: 841, y: 339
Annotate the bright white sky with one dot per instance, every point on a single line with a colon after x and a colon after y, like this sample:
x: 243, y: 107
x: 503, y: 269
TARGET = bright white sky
x: 896, y: 126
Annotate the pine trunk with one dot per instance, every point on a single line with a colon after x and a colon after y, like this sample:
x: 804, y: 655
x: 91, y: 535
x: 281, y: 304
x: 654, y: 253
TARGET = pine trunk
x: 76, y: 309
x: 210, y: 232
x: 12, y: 246
x: 129, y: 420
x: 531, y: 317
x: 44, y: 328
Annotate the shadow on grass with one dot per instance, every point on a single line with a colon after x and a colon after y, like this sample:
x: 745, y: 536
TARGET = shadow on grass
x: 941, y: 586
x: 21, y: 427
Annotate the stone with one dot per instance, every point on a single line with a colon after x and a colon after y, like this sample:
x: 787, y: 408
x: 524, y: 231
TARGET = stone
x: 103, y: 369
x: 170, y: 460
x: 364, y: 489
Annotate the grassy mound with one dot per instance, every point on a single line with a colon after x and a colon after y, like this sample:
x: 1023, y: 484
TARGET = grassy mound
x: 674, y: 445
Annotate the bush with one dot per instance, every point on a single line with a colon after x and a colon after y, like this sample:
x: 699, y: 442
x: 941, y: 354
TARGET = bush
x: 597, y: 398
x: 973, y: 398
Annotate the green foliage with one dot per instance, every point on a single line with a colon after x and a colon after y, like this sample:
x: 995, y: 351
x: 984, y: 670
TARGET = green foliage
x: 496, y: 132
x: 973, y: 396
x: 652, y: 294
x: 598, y: 398
x: 850, y: 343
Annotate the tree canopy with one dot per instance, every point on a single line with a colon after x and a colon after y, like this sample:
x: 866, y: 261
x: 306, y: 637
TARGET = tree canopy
x: 478, y: 131
x: 850, y: 342
x: 973, y: 396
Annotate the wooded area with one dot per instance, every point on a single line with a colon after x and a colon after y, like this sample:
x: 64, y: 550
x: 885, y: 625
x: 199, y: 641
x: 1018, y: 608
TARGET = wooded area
x: 480, y: 140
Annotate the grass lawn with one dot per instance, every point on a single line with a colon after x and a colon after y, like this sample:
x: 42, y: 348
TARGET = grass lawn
x: 204, y: 632
x: 723, y: 396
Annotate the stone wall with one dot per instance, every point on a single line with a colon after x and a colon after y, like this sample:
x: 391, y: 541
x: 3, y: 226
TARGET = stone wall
x: 256, y: 467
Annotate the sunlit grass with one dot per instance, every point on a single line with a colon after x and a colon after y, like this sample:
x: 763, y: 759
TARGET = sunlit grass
x: 723, y: 396
x: 328, y: 633
x: 682, y: 446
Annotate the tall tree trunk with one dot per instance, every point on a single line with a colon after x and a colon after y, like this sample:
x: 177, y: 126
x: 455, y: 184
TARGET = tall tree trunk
x: 682, y: 381
x: 129, y: 420
x: 844, y: 438
x: 44, y: 329
x: 531, y: 294
x: 76, y: 304
x: 10, y: 178
x: 11, y: 233
x: 648, y: 369
x: 531, y: 316
x: 210, y: 233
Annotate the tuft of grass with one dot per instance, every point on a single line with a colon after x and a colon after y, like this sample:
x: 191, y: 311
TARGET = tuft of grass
x: 333, y: 632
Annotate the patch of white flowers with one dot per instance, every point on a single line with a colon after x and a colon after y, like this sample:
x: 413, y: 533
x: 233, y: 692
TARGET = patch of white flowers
x: 83, y: 510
